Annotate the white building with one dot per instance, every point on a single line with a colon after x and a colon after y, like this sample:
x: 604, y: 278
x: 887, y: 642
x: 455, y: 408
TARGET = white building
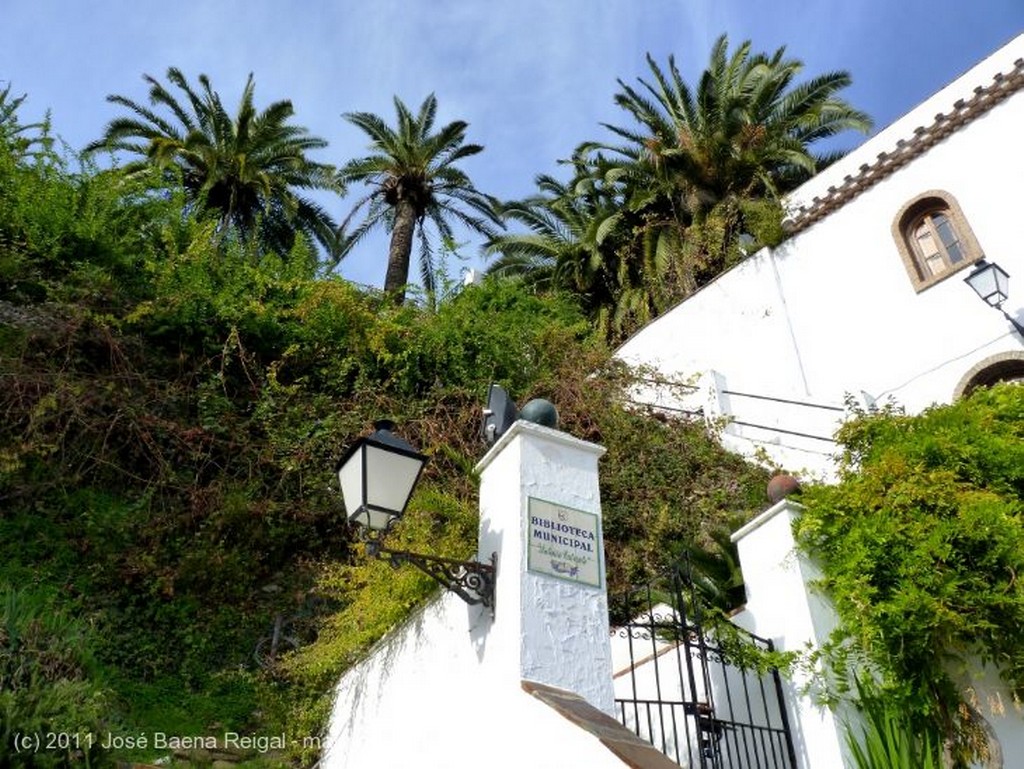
x: 866, y: 297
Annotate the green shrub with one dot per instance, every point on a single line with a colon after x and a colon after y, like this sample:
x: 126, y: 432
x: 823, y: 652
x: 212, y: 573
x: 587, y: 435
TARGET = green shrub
x: 920, y: 545
x: 46, y: 687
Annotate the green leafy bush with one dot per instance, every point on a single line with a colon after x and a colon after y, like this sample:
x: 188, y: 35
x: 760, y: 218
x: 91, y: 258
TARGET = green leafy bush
x: 668, y: 487
x: 920, y: 544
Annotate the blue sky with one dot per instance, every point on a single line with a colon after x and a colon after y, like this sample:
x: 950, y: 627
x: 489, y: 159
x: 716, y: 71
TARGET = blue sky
x: 532, y: 77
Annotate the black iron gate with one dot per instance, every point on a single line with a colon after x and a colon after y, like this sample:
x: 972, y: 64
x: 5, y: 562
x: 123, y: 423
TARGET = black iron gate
x: 681, y: 688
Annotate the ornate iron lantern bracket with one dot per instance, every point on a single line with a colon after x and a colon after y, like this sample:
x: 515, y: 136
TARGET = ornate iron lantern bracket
x: 471, y: 581
x: 377, y: 476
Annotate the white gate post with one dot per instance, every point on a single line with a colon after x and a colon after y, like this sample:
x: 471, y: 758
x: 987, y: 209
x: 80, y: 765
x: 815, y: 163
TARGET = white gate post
x: 540, y: 511
x: 782, y: 605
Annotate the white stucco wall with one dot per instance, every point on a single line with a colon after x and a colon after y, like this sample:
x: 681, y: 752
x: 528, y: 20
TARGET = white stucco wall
x: 546, y: 629
x: 427, y: 697
x: 445, y: 689
x: 832, y: 311
x: 781, y: 606
x: 991, y: 698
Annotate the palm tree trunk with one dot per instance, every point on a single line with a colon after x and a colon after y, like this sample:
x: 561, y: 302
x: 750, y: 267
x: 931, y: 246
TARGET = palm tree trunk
x: 400, y: 251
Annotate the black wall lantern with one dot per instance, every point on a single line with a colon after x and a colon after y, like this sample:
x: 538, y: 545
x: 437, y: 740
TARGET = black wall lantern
x: 377, y: 476
x: 991, y: 282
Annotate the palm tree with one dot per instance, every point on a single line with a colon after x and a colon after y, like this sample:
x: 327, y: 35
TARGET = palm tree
x: 246, y: 169
x: 413, y: 181
x: 21, y: 139
x: 572, y: 242
x: 696, y: 158
x: 746, y: 131
x: 556, y: 249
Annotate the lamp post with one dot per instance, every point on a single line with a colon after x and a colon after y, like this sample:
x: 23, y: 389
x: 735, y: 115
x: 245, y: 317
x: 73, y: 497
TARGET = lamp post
x: 991, y: 282
x: 377, y: 476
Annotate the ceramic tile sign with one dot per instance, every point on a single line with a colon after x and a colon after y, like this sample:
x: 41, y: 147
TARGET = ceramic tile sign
x: 563, y: 542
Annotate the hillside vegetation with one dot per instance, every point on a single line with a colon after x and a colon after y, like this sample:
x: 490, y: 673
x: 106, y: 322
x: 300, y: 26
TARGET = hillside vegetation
x: 174, y: 400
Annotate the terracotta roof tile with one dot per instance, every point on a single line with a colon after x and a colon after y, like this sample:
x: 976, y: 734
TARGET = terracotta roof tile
x: 1003, y: 85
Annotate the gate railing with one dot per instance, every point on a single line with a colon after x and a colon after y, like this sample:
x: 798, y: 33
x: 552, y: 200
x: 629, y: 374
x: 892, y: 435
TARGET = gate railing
x: 679, y: 688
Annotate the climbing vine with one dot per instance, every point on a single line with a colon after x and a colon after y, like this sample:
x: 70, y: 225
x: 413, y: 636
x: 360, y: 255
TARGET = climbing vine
x: 922, y: 547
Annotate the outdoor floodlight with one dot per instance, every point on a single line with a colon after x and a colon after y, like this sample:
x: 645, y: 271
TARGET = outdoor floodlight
x: 500, y: 413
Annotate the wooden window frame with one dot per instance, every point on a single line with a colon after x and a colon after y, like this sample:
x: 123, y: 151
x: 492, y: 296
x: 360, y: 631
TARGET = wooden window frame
x: 906, y: 221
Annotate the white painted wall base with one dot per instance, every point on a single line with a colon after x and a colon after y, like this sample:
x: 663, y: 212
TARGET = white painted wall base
x: 426, y: 698
x: 782, y: 607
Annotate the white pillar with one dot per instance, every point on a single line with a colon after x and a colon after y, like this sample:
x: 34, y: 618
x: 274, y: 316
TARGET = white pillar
x: 540, y: 511
x: 782, y: 605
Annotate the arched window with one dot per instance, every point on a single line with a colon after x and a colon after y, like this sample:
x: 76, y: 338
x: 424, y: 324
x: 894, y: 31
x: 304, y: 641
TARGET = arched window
x: 1002, y: 367
x: 934, y: 238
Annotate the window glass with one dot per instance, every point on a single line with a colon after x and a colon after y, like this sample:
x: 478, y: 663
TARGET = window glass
x: 934, y: 238
x: 938, y: 245
x: 948, y: 237
x: 925, y: 241
x: 928, y: 249
x: 935, y: 264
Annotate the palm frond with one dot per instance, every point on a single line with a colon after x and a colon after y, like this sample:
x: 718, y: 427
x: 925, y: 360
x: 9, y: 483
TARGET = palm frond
x: 246, y: 168
x: 413, y: 168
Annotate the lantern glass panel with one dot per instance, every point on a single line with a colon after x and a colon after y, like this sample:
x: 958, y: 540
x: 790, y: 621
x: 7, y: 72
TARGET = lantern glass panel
x: 390, y: 478
x: 1002, y: 286
x: 990, y: 282
x: 350, y: 476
